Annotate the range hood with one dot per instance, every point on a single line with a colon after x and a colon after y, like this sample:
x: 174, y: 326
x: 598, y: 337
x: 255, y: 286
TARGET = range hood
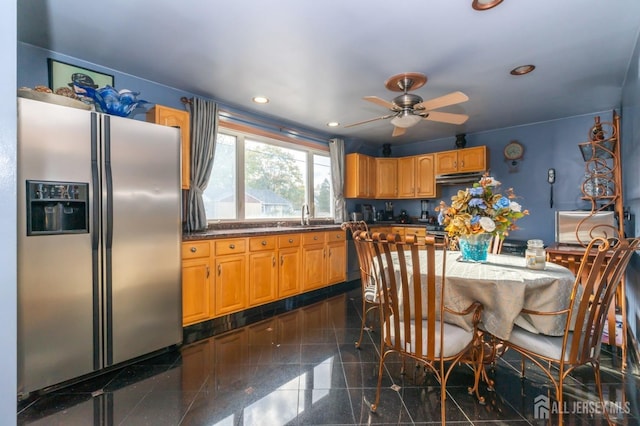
x: 459, y: 178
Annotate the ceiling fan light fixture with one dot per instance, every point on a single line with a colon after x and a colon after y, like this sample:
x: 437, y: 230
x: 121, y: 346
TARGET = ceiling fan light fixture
x: 405, y: 120
x: 485, y: 4
x: 522, y: 70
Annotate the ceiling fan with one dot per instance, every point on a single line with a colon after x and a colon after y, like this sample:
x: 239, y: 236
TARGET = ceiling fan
x: 408, y: 109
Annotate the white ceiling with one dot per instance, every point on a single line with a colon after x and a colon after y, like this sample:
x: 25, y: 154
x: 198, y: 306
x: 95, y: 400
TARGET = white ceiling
x: 316, y: 59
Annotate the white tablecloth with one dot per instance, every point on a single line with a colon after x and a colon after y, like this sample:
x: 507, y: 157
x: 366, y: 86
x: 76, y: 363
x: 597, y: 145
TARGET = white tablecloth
x: 505, y: 286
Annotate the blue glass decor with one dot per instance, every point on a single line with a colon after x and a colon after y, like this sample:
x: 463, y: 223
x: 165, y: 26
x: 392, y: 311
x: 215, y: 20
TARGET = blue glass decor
x: 111, y: 101
x: 474, y: 247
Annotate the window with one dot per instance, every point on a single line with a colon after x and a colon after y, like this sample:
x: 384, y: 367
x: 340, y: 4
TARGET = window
x: 254, y: 177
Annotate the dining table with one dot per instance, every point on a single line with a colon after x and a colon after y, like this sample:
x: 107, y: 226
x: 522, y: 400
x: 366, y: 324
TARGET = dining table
x: 504, y: 286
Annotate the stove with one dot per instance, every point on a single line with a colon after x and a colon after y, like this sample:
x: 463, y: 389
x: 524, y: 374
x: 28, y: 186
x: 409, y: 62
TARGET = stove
x: 437, y: 230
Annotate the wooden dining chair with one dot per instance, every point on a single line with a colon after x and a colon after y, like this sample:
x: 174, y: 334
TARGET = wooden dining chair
x: 412, y: 284
x: 495, y: 245
x: 369, y: 282
x: 599, y: 274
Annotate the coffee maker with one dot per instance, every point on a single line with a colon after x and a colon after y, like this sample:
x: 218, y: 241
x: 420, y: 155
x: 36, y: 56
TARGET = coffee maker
x: 424, y: 210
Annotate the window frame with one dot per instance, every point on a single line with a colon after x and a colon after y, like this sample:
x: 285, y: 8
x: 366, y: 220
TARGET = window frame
x: 241, y: 133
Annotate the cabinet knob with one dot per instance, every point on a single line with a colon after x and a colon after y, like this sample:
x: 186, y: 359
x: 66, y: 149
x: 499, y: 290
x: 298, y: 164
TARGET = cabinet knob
x: 264, y: 242
x: 290, y: 240
x: 315, y: 238
x: 193, y: 249
x: 232, y: 246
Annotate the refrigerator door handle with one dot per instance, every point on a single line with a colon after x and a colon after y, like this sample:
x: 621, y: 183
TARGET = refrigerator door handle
x: 108, y: 284
x: 95, y: 240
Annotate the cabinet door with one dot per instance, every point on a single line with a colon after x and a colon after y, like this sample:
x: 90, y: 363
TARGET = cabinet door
x: 313, y: 266
x: 289, y: 272
x: 196, y: 286
x: 386, y: 177
x: 472, y: 159
x: 406, y: 177
x: 336, y: 262
x: 358, y: 173
x: 369, y: 179
x: 425, y: 176
x: 230, y: 293
x: 263, y: 275
x: 176, y: 118
x: 446, y: 162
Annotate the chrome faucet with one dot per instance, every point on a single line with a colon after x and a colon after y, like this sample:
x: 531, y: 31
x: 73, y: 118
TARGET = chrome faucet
x: 304, y: 220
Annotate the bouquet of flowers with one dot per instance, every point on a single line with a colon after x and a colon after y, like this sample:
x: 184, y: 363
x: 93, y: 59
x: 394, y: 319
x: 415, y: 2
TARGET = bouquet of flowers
x: 480, y: 210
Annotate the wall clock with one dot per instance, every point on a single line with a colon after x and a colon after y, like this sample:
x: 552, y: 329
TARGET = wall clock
x: 513, y: 151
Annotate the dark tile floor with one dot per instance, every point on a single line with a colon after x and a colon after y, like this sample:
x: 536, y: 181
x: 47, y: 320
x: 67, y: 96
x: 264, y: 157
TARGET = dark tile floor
x: 301, y: 368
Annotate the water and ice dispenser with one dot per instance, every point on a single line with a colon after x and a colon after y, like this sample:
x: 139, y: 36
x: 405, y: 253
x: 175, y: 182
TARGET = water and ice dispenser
x: 57, y: 207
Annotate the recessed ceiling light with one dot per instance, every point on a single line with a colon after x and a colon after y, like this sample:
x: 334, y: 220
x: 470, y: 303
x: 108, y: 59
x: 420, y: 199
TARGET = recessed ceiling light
x: 260, y: 99
x: 333, y: 124
x: 485, y: 4
x: 522, y: 70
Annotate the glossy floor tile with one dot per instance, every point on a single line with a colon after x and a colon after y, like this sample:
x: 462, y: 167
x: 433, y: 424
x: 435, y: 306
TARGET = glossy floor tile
x: 301, y: 368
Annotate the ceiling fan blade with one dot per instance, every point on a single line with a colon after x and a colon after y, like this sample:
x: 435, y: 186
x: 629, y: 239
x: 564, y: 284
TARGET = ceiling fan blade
x: 398, y: 131
x: 369, y: 120
x: 443, y: 101
x: 379, y: 101
x: 447, y: 117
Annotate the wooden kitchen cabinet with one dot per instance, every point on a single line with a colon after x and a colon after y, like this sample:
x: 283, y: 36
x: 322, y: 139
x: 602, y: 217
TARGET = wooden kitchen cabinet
x: 227, y: 275
x: 289, y: 264
x: 230, y: 265
x: 462, y: 160
x: 360, y: 172
x: 263, y: 270
x: 314, y: 254
x: 166, y: 116
x: 336, y: 257
x: 425, y: 176
x: 196, y: 282
x: 406, y: 177
x: 386, y: 177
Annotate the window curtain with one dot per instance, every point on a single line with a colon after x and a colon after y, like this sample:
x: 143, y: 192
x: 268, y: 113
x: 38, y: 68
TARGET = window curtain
x: 336, y: 152
x: 204, y: 127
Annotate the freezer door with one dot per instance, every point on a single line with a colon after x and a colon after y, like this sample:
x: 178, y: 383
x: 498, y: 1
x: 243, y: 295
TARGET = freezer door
x: 55, y: 289
x: 141, y: 215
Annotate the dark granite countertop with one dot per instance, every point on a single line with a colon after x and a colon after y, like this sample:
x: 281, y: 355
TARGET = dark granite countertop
x: 253, y: 231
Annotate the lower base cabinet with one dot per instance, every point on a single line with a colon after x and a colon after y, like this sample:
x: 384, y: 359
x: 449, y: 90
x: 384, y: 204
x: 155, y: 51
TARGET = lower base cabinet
x: 223, y: 276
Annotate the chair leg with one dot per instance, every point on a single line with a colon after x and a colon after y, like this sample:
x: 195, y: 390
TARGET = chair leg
x: 596, y: 373
x: 364, y: 323
x: 373, y: 407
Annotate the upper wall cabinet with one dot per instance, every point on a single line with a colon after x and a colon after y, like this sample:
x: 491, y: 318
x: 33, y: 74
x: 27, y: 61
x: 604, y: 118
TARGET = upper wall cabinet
x: 386, y: 177
x: 360, y: 176
x: 176, y: 118
x: 425, y: 176
x: 462, y: 160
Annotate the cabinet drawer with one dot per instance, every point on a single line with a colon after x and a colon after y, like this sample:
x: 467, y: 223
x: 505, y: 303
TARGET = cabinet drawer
x: 420, y: 232
x: 234, y: 246
x: 292, y: 240
x: 262, y: 243
x: 333, y: 236
x: 313, y: 238
x: 195, y: 249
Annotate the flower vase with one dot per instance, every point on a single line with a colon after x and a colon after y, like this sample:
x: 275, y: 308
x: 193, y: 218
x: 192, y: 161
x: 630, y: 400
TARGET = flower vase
x: 474, y: 247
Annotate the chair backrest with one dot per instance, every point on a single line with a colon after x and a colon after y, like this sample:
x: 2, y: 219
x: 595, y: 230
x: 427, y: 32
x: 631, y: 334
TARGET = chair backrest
x: 601, y: 271
x: 364, y: 258
x: 495, y: 245
x: 410, y: 295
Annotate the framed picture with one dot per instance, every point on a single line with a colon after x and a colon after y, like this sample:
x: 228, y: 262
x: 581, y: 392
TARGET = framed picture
x: 63, y: 75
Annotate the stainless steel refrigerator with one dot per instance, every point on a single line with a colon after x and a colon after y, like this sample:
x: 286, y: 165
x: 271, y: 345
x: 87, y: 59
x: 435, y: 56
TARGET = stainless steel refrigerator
x: 99, y: 233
